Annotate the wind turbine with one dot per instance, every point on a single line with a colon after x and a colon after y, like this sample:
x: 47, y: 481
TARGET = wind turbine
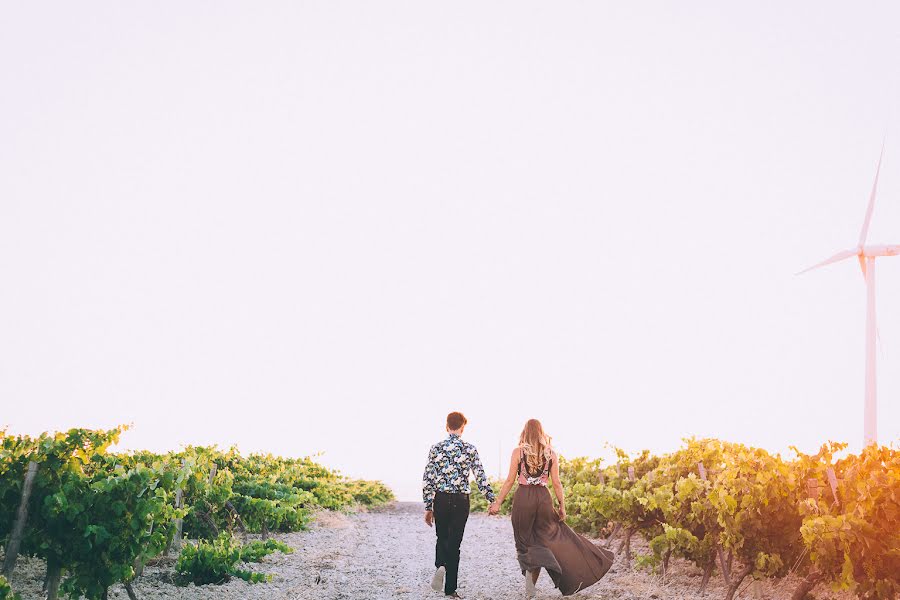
x: 866, y: 255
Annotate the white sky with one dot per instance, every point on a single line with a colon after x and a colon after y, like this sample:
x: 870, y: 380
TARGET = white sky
x: 305, y: 227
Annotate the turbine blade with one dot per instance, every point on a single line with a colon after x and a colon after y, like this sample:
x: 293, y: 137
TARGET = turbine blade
x: 882, y: 250
x: 862, y: 265
x: 836, y: 258
x: 865, y: 228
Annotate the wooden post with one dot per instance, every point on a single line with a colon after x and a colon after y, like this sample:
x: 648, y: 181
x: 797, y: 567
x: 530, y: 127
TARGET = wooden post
x: 18, y: 529
x: 702, y: 470
x: 179, y: 522
x: 650, y: 477
x: 212, y: 473
x: 602, y: 478
x: 618, y: 470
x: 631, y: 474
x: 832, y: 481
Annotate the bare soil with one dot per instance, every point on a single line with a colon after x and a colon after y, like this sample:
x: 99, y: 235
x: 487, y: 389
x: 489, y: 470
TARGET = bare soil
x: 389, y: 553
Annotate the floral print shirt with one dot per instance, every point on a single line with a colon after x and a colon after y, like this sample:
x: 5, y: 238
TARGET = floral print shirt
x: 449, y: 464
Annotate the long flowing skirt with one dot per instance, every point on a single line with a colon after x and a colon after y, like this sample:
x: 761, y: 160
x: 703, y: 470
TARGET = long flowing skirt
x: 542, y: 541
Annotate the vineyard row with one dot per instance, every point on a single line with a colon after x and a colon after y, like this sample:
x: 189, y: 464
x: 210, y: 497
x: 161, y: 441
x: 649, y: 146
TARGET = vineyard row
x: 98, y: 517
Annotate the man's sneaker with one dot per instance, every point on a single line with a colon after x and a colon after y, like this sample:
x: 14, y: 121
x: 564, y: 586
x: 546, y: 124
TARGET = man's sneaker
x: 529, y: 585
x: 437, y: 582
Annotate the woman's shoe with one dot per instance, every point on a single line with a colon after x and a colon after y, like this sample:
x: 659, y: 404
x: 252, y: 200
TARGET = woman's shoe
x: 437, y: 582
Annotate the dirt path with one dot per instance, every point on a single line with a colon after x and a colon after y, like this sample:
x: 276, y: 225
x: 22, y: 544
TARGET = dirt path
x: 389, y: 553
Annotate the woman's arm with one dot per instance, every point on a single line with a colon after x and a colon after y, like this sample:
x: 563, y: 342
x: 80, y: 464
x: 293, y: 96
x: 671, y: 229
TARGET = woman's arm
x: 557, y: 486
x: 510, y: 478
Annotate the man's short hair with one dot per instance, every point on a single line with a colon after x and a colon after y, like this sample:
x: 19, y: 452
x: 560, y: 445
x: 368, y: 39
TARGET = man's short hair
x: 455, y: 420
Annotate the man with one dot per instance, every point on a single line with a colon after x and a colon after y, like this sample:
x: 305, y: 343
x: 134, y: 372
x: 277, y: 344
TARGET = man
x: 446, y: 492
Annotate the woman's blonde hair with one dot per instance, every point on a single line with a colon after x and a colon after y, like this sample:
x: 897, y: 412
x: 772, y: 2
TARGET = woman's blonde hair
x: 536, y: 445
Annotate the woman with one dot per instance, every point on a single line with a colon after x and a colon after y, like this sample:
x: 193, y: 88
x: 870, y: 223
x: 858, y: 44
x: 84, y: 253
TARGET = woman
x: 543, y: 540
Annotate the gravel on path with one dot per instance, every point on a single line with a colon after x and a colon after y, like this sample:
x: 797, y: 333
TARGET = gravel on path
x: 389, y: 553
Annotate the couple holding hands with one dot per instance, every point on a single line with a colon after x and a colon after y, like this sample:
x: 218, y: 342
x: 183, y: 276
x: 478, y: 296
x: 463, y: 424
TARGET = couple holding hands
x: 542, y: 539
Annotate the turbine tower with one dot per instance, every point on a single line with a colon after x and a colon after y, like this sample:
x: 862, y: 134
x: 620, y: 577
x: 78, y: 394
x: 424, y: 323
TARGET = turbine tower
x: 866, y: 255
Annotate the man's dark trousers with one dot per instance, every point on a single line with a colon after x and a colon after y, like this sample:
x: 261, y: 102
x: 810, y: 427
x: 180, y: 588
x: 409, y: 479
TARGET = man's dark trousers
x: 451, y: 511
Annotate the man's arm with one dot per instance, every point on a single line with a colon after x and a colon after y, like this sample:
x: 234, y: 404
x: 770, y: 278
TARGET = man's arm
x: 481, y: 478
x: 429, y: 480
